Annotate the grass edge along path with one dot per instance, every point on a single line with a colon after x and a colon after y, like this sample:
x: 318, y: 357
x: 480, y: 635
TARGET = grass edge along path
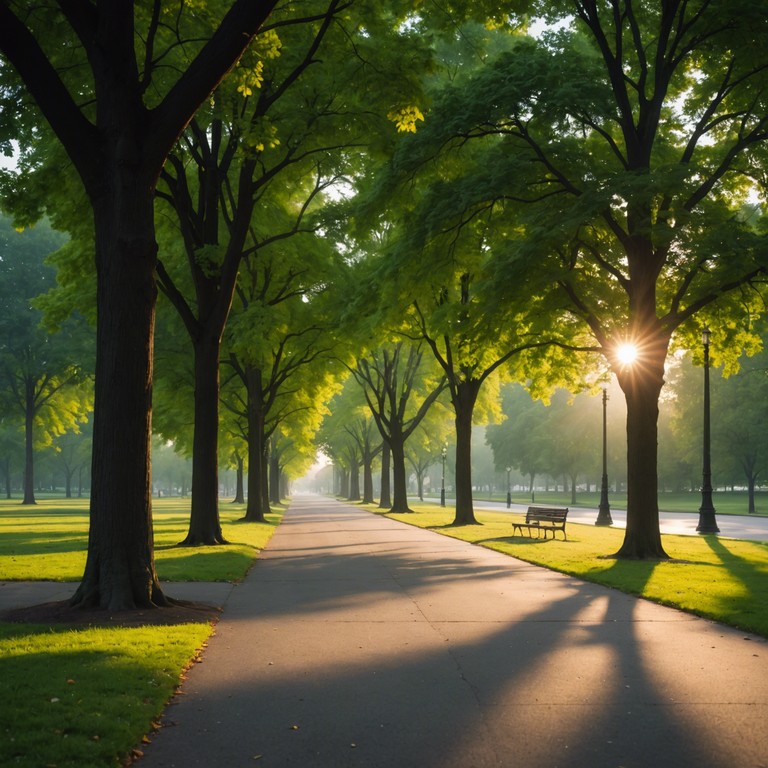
x: 86, y: 696
x: 725, y: 580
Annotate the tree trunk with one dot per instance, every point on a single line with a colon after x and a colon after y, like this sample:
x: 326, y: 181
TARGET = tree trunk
x: 120, y: 569
x: 29, y: 452
x: 239, y: 490
x: 254, y: 510
x: 464, y: 405
x: 399, y: 477
x: 204, y: 523
x: 368, y: 479
x: 751, y: 479
x: 354, y: 482
x: 265, y: 509
x: 642, y: 383
x: 385, y: 500
x: 275, y: 488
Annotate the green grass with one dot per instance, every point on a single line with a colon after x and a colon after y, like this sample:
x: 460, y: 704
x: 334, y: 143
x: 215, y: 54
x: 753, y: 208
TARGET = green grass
x: 722, y: 579
x: 73, y: 697
x: 49, y: 541
x: 85, y: 698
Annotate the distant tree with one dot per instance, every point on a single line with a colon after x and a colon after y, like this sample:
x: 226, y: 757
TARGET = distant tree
x: 739, y: 412
x: 38, y: 380
x: 399, y: 391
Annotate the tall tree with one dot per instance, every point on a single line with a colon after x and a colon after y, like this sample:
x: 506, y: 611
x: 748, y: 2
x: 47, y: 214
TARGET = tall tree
x: 625, y: 192
x: 118, y: 110
x: 213, y: 182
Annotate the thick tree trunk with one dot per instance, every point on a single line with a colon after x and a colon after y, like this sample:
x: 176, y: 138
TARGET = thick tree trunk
x: 385, y: 498
x: 399, y: 477
x: 642, y: 385
x: 464, y: 405
x: 204, y: 523
x: 29, y: 451
x: 120, y: 570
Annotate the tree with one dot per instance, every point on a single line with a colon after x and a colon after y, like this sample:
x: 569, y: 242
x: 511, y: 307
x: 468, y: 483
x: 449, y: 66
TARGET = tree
x: 399, y: 393
x: 38, y: 379
x: 625, y: 192
x: 118, y: 113
x: 214, y: 182
x: 738, y: 409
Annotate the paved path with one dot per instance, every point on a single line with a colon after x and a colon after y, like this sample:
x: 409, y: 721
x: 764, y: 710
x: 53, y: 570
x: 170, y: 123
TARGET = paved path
x: 357, y: 641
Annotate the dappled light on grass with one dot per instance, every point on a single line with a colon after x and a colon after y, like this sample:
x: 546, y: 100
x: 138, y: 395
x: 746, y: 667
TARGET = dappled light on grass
x: 722, y: 579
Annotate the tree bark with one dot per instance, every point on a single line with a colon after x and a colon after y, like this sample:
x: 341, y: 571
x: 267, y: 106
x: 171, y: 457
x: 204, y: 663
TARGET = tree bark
x: 399, y: 477
x: 254, y: 510
x: 204, y: 522
x: 642, y: 383
x: 464, y: 400
x: 120, y: 570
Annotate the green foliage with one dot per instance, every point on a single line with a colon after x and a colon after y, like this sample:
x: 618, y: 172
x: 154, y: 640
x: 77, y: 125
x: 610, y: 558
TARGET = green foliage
x: 42, y: 375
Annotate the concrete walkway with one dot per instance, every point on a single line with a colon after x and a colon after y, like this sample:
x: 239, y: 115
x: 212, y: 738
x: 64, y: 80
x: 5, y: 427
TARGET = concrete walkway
x: 363, y: 642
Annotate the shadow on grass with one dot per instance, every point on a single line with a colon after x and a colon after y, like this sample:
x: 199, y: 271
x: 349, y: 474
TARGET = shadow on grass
x: 526, y: 540
x: 44, y: 543
x: 753, y: 578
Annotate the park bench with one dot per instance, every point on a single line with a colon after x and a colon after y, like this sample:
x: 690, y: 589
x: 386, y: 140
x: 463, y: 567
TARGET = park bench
x: 544, y: 519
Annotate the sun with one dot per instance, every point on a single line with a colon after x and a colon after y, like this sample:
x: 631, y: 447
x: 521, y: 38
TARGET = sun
x: 627, y: 353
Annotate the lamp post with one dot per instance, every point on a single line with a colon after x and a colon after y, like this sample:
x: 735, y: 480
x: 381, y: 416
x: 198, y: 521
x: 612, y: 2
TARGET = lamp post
x: 509, y: 489
x: 604, y: 510
x: 442, y: 478
x: 707, y: 522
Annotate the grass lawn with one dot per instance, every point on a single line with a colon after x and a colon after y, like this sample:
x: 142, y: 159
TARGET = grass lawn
x: 49, y: 542
x: 86, y: 696
x: 721, y: 579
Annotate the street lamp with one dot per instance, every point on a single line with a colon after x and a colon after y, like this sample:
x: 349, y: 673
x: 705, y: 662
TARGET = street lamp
x: 509, y: 489
x: 707, y: 522
x: 604, y: 510
x: 443, y: 454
